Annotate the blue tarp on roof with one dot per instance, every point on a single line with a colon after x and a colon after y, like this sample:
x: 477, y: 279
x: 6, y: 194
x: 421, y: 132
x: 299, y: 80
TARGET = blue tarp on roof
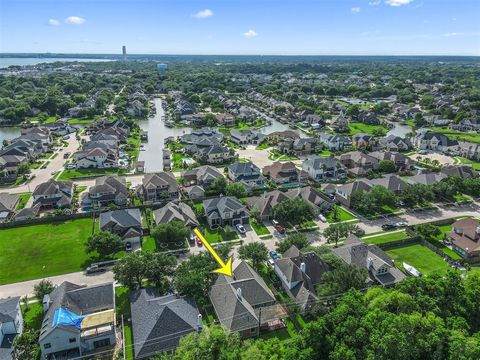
x: 63, y: 316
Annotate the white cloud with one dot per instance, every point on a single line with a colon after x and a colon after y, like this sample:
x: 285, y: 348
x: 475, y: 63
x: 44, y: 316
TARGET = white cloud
x: 75, y: 20
x: 250, y: 34
x: 398, y: 2
x: 53, y: 22
x: 454, y: 19
x: 375, y: 2
x: 355, y: 10
x: 202, y: 14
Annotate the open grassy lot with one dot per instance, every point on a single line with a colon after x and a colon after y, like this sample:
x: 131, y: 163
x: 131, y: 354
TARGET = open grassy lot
x: 278, y: 156
x: 148, y: 244
x: 343, y: 215
x: 79, y: 173
x: 475, y: 164
x: 386, y: 237
x: 23, y: 200
x: 122, y: 301
x: 460, y: 136
x: 420, y: 257
x: 33, y: 252
x: 33, y: 316
x: 356, y: 128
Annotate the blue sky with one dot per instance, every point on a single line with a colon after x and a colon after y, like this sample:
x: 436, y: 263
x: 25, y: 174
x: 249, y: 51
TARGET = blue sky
x: 373, y: 27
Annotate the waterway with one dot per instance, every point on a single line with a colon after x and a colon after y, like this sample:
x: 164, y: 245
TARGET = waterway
x: 400, y: 130
x: 8, y: 133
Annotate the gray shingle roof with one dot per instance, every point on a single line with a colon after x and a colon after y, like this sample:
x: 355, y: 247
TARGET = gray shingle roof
x: 158, y: 322
x: 8, y: 309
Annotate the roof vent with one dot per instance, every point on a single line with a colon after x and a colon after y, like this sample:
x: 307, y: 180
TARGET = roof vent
x: 303, y: 267
x: 239, y: 293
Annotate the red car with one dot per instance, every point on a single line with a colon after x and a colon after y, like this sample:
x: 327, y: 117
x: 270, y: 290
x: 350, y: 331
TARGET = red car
x: 278, y: 227
x: 198, y: 241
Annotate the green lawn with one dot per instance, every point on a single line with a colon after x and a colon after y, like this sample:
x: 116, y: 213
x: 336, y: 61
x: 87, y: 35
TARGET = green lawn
x: 129, y: 351
x: 343, y: 215
x: 263, y: 146
x: 282, y: 334
x: 386, y: 237
x: 356, y: 128
x: 475, y: 164
x: 79, y: 173
x: 325, y: 153
x: 148, y: 244
x: 33, y: 317
x: 218, y: 235
x: 259, y: 229
x: 420, y: 257
x: 458, y: 135
x: 23, y: 200
x: 34, y: 252
x: 278, y: 156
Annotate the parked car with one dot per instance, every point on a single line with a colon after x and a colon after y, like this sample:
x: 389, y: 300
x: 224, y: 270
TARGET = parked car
x: 240, y: 228
x: 401, y: 224
x: 191, y: 240
x: 274, y: 255
x: 66, y: 137
x: 66, y: 155
x: 92, y: 269
x: 70, y: 166
x: 198, y: 241
x: 322, y: 218
x: 278, y: 227
x: 386, y: 227
x: 271, y: 263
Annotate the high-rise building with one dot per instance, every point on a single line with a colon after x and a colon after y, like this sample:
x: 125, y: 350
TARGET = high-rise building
x: 124, y: 52
x: 162, y: 68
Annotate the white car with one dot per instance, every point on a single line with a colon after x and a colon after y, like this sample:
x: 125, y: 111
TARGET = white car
x: 240, y: 229
x: 322, y: 218
x: 401, y: 224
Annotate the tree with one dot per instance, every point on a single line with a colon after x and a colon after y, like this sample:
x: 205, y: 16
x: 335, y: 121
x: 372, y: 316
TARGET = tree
x: 44, y: 287
x: 298, y: 239
x: 387, y: 166
x: 293, y: 211
x: 256, y: 252
x: 130, y: 270
x: 427, y: 231
x: 173, y: 232
x: 236, y: 189
x: 342, y: 279
x: 416, y: 194
x: 157, y: 267
x: 338, y: 231
x: 105, y: 243
x: 255, y: 214
x: 25, y: 346
x: 218, y: 186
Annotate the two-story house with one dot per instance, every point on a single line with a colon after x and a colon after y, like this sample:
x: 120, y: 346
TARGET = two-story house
x: 335, y: 142
x: 79, y: 321
x: 245, y: 137
x: 11, y: 325
x: 159, y: 187
x: 247, y: 174
x: 225, y: 210
x: 203, y: 175
x: 465, y: 238
x: 127, y: 223
x: 324, y: 169
x: 53, y: 194
x: 107, y: 190
x: 357, y: 162
x: 283, y: 173
x: 425, y: 140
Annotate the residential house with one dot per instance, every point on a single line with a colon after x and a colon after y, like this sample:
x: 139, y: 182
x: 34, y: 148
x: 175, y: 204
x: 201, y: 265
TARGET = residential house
x: 9, y: 167
x: 27, y: 213
x: 380, y: 267
x: 158, y: 187
x: 300, y: 273
x: 465, y: 238
x: 203, y: 137
x: 391, y: 182
x: 225, y: 120
x: 335, y: 142
x: 468, y: 150
x: 79, y: 321
x: 245, y: 137
x: 283, y: 173
x: 244, y: 303
x: 278, y: 136
x: 343, y: 193
x: 268, y: 200
x: 401, y: 161
x: 8, y: 204
x: 11, y: 325
x: 462, y: 171
x: 107, y: 190
x: 363, y: 141
x: 126, y: 223
x: 96, y: 158
x: 247, y: 174
x: 203, y: 175
x: 216, y: 154
x: 367, y: 117
x: 53, y: 194
x: 426, y: 178
x: 194, y: 192
x: 426, y: 140
x: 396, y: 143
x: 357, y: 162
x: 225, y: 210
x: 176, y: 212
x: 324, y: 169
x: 160, y: 321
x: 340, y: 123
x: 468, y: 124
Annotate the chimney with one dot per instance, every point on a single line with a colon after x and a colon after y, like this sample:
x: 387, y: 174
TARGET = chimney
x: 199, y: 323
x: 302, y: 267
x: 46, y: 302
x: 239, y: 293
x: 369, y: 263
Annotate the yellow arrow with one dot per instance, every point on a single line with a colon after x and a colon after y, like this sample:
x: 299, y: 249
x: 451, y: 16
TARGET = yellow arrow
x: 225, y: 268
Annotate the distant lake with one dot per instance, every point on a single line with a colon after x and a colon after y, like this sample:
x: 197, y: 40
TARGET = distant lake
x: 8, y: 133
x: 6, y: 62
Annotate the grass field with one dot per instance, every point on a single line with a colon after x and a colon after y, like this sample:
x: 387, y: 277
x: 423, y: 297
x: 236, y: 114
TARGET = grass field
x: 458, y: 135
x: 420, y: 257
x: 343, y: 215
x: 356, y: 128
x: 23, y: 200
x: 79, y: 173
x: 33, y: 317
x: 148, y: 244
x: 34, y: 252
x: 475, y: 164
x: 218, y: 235
x: 278, y: 156
x: 122, y: 302
x: 386, y: 237
x: 259, y: 229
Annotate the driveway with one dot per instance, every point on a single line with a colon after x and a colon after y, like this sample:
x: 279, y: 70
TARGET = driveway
x: 26, y: 287
x: 259, y: 157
